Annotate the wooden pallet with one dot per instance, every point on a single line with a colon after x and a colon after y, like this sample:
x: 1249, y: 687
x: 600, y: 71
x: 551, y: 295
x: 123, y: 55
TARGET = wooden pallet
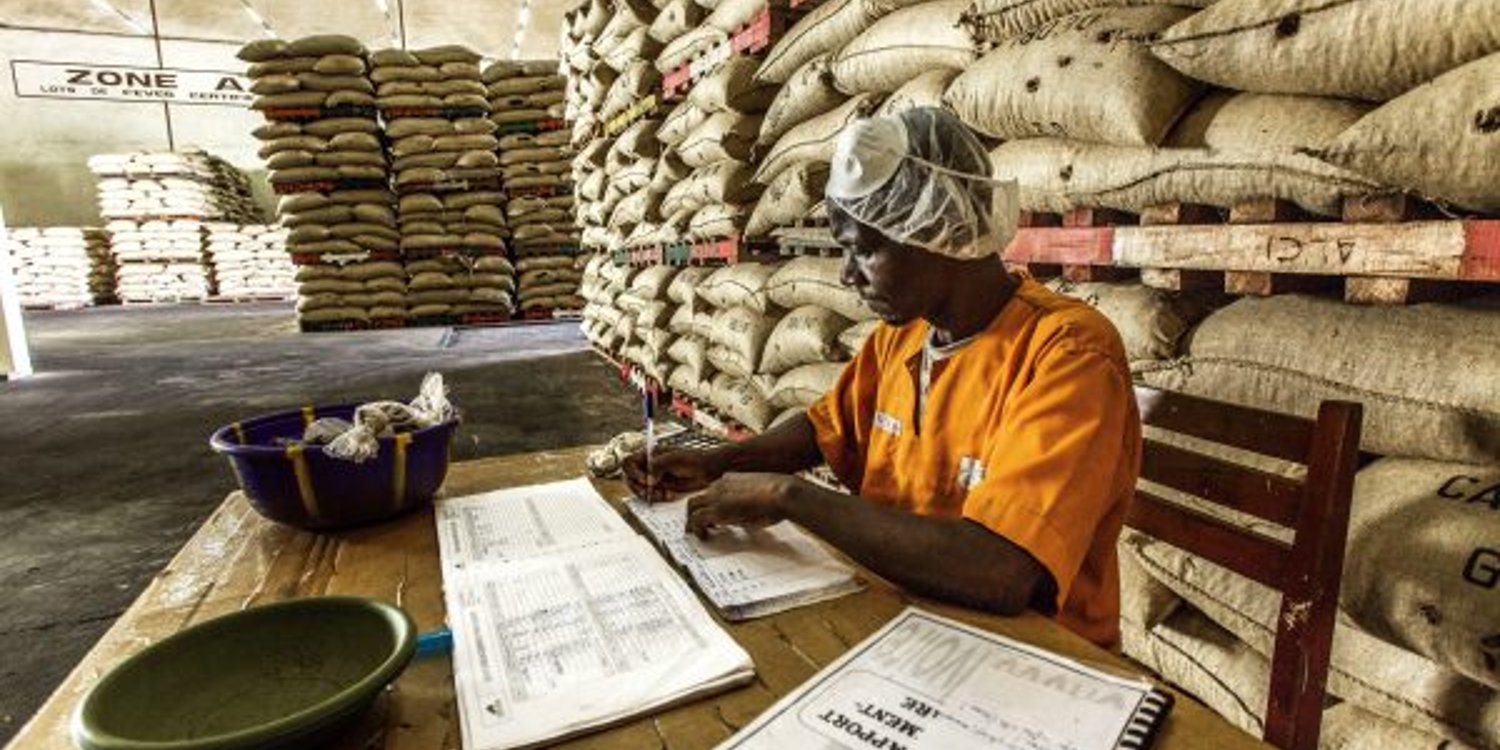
x: 547, y: 191
x: 492, y: 183
x: 453, y: 252
x: 220, y: 299
x: 372, y: 256
x: 807, y: 237
x: 754, y: 37
x: 531, y: 126
x: 444, y: 113
x: 308, y: 114
x: 1387, y: 250
x: 327, y: 186
x: 345, y: 326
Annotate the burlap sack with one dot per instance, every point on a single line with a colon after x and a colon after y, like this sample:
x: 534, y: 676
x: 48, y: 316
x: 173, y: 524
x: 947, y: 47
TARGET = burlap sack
x: 680, y: 121
x: 788, y: 198
x: 724, y: 182
x: 1205, y: 661
x: 803, y: 386
x: 275, y: 84
x: 320, y: 45
x: 1441, y: 139
x: 320, y: 82
x: 810, y: 280
x: 638, y: 141
x: 1056, y: 175
x: 685, y: 282
x: 926, y: 90
x: 807, y: 94
x: 692, y: 353
x: 1430, y: 397
x: 637, y: 79
x: 724, y: 136
x: 991, y: 21
x: 669, y: 171
x: 742, y: 401
x: 812, y: 140
x: 262, y: 50
x: 827, y: 28
x: 902, y: 46
x: 729, y: 362
x: 688, y: 383
x: 738, y: 285
x: 1110, y: 90
x: 652, y: 283
x: 530, y: 85
x: 1363, y: 669
x: 718, y: 221
x: 689, y: 46
x: 273, y: 130
x: 1304, y: 46
x: 732, y: 87
x: 626, y: 17
x: 1151, y: 322
x: 806, y: 335
x: 730, y: 15
x: 853, y: 339
x: 675, y: 18
x: 743, y: 332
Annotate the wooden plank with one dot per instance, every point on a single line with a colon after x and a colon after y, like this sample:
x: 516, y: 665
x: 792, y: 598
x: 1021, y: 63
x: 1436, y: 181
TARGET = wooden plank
x: 1097, y: 217
x: 1255, y: 430
x: 1263, y: 284
x: 1259, y: 559
x: 1387, y: 209
x: 1084, y: 274
x: 1266, y: 211
x: 1423, y: 249
x: 1481, y: 261
x: 1248, y: 490
x: 1069, y: 245
x: 1383, y: 290
x: 1038, y: 219
x: 1182, y: 213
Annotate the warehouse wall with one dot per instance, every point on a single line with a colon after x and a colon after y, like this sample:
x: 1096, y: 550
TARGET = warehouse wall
x: 45, y: 143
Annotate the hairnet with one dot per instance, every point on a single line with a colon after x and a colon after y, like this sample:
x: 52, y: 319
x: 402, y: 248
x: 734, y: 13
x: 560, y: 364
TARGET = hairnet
x: 922, y: 178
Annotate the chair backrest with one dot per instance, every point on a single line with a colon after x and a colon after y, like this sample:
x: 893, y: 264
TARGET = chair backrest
x: 1307, y: 572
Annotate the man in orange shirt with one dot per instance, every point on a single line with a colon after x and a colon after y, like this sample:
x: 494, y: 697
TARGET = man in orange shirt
x: 988, y: 428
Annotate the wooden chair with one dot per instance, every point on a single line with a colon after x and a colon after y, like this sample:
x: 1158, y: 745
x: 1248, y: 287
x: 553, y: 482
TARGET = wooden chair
x: 1307, y: 572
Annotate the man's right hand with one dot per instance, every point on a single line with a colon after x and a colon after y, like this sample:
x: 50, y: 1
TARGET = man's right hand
x: 673, y: 472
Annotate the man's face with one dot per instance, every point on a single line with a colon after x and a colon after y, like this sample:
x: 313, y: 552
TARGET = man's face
x: 892, y: 278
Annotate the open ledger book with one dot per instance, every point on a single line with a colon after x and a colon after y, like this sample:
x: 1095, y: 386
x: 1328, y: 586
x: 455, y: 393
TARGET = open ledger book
x: 928, y: 682
x: 565, y: 620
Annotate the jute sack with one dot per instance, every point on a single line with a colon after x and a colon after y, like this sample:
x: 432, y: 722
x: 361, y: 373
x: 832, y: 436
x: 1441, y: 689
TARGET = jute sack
x: 636, y: 80
x: 810, y: 280
x: 1152, y: 322
x: 637, y: 142
x: 788, y: 198
x: 1363, y: 669
x: 1274, y: 123
x: 807, y: 94
x: 637, y: 46
x: 685, y: 282
x: 732, y: 87
x: 1087, y: 76
x: 1001, y: 20
x: 812, y: 140
x: 652, y: 283
x: 806, y: 335
x: 1441, y: 139
x: 1422, y: 569
x: 724, y: 182
x: 1188, y: 650
x: 675, y: 18
x: 902, y: 46
x: 683, y: 119
x: 827, y: 28
x: 691, y: 352
x: 803, y: 386
x: 853, y: 339
x: 926, y: 90
x: 727, y: 361
x: 743, y: 332
x: 1305, y: 46
x: 637, y: 208
x: 1056, y: 175
x: 730, y: 15
x: 669, y: 171
x: 717, y: 221
x: 684, y: 381
x: 738, y: 285
x: 723, y: 136
x: 626, y: 17
x: 1349, y: 727
x: 688, y: 46
x: 1430, y: 397
x: 742, y: 401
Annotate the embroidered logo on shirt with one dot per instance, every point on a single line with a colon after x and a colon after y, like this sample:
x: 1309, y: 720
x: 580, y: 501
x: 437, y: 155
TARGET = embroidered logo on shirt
x: 887, y: 423
x: 970, y: 473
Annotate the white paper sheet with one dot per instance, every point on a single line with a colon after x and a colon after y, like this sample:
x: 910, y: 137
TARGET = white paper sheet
x: 523, y: 522
x: 555, y: 645
x: 749, y: 573
x: 927, y: 682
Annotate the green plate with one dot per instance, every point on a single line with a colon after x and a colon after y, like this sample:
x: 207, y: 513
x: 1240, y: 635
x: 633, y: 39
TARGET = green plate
x: 277, y: 676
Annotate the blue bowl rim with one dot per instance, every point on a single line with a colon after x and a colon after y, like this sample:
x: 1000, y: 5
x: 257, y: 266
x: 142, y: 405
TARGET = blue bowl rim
x: 351, y: 697
x: 221, y: 442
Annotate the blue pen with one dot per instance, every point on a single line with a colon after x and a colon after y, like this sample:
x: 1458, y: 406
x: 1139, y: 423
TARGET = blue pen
x: 648, y: 408
x: 435, y: 642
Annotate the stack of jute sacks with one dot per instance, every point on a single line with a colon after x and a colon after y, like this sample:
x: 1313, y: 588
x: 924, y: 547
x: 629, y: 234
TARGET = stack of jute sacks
x: 250, y: 260
x: 61, y: 267
x: 159, y: 260
x: 536, y: 157
x: 324, y: 148
x: 442, y: 142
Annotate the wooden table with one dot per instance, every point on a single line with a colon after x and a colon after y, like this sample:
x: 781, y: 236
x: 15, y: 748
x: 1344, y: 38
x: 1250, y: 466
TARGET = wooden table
x: 238, y: 559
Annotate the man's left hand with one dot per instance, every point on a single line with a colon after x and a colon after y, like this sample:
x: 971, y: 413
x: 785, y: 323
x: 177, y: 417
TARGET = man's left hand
x: 754, y: 500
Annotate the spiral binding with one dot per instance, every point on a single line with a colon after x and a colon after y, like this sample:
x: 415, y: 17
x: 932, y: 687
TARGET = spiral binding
x: 1147, y: 722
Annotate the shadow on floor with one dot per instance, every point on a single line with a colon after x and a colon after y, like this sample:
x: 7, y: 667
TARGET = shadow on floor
x: 106, y: 469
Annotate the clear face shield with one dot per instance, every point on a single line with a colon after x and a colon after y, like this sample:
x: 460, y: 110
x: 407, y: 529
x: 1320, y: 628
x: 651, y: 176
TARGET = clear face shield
x: 886, y: 174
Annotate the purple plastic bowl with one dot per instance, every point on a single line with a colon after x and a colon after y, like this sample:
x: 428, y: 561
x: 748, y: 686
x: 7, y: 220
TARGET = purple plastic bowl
x: 300, y: 486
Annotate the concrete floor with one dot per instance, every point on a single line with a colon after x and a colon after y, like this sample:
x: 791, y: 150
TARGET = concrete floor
x: 106, y: 469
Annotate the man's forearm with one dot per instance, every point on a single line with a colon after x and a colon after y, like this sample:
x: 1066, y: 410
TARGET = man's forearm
x: 956, y: 560
x: 790, y: 447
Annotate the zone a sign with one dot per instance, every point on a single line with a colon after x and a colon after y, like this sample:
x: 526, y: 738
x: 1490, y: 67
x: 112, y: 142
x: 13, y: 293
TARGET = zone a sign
x: 124, y: 83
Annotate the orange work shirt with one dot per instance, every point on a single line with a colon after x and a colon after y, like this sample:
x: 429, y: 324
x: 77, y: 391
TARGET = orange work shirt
x: 1031, y: 430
